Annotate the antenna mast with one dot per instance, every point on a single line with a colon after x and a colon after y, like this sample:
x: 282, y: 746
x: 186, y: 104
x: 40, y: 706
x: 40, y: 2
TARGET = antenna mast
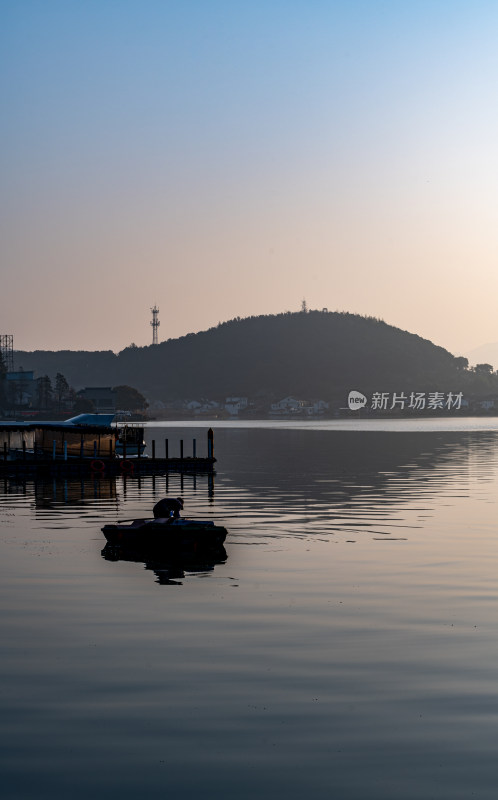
x: 155, y: 324
x: 7, y: 350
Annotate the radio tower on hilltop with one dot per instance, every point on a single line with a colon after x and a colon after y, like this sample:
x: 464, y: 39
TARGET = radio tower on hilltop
x: 155, y: 324
x: 7, y: 350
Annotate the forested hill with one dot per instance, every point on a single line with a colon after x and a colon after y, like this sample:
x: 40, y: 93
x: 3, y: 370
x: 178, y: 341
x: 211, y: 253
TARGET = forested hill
x: 307, y: 354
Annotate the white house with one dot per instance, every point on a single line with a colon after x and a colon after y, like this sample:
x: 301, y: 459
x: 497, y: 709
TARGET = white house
x: 235, y: 404
x: 291, y: 406
x: 202, y: 407
x: 192, y: 405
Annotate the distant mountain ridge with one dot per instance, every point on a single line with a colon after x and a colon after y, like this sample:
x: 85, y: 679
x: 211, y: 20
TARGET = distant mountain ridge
x: 307, y: 354
x: 484, y: 354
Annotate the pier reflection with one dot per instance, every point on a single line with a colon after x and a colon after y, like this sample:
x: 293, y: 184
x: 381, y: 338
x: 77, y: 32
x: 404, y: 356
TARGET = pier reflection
x: 178, y: 483
x: 48, y: 492
x: 73, y: 492
x: 55, y: 491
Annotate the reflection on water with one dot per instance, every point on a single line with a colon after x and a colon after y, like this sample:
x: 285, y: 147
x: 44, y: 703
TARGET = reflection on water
x: 53, y: 492
x: 169, y: 570
x: 305, y: 483
x: 344, y: 645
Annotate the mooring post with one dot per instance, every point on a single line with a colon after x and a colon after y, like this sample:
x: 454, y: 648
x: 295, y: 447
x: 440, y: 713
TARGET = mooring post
x: 24, y: 449
x: 54, y: 445
x: 124, y: 449
x: 110, y: 447
x: 166, y: 448
x: 153, y: 449
x: 194, y: 448
x: 181, y: 448
x: 65, y: 451
x: 95, y: 449
x: 210, y: 443
x: 81, y: 448
x: 5, y: 451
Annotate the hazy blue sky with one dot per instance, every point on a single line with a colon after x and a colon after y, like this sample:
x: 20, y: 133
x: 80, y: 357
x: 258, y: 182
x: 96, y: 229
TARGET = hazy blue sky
x: 225, y: 159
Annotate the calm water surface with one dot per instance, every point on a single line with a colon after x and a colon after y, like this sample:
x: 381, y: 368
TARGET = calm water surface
x: 347, y: 647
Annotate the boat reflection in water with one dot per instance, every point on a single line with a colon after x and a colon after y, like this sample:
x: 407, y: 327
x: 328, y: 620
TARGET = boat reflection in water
x: 169, y: 569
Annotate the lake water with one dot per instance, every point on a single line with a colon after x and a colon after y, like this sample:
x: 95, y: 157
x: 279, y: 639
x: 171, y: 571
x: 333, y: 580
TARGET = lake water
x: 347, y: 647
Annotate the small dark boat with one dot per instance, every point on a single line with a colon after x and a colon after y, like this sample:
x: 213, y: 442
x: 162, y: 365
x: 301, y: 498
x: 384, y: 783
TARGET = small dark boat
x: 166, y: 534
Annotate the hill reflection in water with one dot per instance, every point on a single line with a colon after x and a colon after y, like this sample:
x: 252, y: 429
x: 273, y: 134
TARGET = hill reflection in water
x: 310, y: 482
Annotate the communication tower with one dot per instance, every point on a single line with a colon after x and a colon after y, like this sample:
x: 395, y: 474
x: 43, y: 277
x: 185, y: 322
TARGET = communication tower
x: 7, y: 350
x: 155, y: 324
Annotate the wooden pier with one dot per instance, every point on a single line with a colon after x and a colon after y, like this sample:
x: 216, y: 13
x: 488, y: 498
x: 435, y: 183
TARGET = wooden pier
x: 105, y: 466
x: 26, y: 462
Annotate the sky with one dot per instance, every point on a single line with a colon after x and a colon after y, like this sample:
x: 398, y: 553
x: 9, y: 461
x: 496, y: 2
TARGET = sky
x: 224, y: 159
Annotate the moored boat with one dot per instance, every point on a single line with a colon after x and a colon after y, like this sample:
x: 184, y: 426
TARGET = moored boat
x: 130, y: 441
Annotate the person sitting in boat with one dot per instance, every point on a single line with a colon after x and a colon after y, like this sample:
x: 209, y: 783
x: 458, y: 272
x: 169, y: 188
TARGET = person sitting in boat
x: 168, y: 507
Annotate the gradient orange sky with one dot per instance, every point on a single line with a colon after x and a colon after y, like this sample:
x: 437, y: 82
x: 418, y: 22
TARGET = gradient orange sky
x: 225, y: 159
